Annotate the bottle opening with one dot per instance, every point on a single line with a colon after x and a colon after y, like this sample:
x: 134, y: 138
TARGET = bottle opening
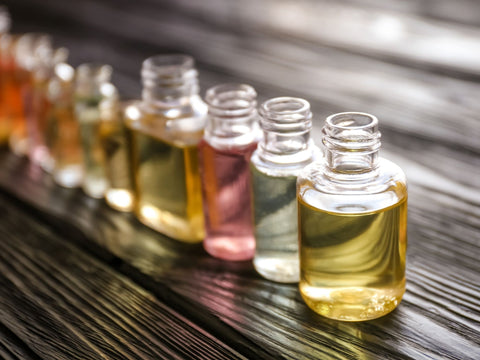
x: 353, y: 120
x: 287, y: 109
x: 231, y: 100
x: 167, y: 65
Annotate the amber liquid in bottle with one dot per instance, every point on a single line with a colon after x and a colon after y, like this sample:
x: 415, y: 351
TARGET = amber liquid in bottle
x: 353, y: 264
x: 166, y: 177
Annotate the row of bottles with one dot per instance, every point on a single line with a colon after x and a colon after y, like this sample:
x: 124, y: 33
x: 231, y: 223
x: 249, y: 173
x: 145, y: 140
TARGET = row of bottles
x: 246, y: 180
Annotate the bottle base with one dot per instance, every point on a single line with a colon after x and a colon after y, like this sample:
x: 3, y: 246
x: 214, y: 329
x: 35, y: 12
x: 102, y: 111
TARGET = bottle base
x: 232, y: 248
x: 95, y: 187
x: 69, y: 176
x: 352, y: 303
x: 18, y: 146
x: 119, y: 199
x: 279, y: 269
x: 171, y: 225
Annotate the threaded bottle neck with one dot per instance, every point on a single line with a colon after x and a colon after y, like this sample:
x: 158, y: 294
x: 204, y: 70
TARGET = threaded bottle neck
x: 351, y: 142
x: 92, y: 80
x: 232, y: 115
x: 286, y: 123
x: 28, y: 47
x: 168, y: 80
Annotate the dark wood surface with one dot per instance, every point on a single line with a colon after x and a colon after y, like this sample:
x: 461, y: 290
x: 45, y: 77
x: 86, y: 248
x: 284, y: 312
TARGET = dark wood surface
x: 79, y: 280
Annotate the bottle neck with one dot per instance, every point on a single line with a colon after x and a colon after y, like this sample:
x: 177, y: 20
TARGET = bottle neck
x: 169, y: 81
x: 93, y: 80
x: 286, y: 123
x: 351, y: 141
x: 232, y: 115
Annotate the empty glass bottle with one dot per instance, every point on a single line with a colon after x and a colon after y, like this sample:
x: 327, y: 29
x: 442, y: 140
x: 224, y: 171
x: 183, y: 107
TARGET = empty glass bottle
x: 165, y: 128
x: 352, y: 224
x: 230, y: 138
x: 92, y: 88
x: 285, y: 149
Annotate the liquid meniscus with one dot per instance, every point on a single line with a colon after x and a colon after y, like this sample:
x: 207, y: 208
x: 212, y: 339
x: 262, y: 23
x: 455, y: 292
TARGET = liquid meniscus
x: 352, y: 264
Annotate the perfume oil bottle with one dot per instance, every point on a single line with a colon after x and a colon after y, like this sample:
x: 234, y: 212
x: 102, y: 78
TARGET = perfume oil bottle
x: 286, y: 148
x: 37, y: 111
x: 119, y: 194
x: 165, y: 129
x: 5, y: 39
x: 7, y: 66
x: 231, y: 136
x: 92, y: 88
x: 352, y: 224
x: 63, y: 132
x: 20, y: 92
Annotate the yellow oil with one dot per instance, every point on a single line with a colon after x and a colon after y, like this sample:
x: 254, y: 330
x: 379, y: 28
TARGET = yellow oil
x: 166, y: 177
x: 119, y: 194
x: 352, y: 264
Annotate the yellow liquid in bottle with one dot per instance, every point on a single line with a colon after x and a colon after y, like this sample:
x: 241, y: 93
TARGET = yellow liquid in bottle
x: 353, y: 264
x: 166, y: 178
x: 119, y: 194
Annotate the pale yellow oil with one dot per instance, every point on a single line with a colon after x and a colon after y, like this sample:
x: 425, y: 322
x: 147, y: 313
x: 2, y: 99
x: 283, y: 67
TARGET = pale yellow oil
x: 119, y: 194
x: 352, y: 264
x: 166, y: 177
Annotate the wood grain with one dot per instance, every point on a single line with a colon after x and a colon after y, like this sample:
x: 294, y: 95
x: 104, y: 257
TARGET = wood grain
x: 64, y: 305
x: 427, y: 103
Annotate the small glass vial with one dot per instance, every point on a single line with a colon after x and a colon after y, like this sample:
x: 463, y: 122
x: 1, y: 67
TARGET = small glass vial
x: 63, y: 132
x: 352, y: 224
x: 231, y: 136
x: 286, y: 148
x: 119, y: 194
x: 26, y: 48
x: 37, y: 112
x: 92, y: 88
x: 5, y: 39
x: 165, y: 129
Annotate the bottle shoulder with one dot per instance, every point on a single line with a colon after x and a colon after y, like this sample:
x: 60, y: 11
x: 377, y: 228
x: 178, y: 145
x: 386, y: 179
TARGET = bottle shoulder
x: 380, y: 189
x: 180, y: 126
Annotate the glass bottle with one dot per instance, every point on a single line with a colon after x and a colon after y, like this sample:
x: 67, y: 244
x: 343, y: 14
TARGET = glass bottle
x: 165, y: 129
x: 20, y: 93
x: 92, y: 87
x: 63, y: 132
x: 36, y: 114
x: 231, y: 136
x: 352, y: 224
x: 286, y: 148
x: 5, y: 39
x: 119, y: 194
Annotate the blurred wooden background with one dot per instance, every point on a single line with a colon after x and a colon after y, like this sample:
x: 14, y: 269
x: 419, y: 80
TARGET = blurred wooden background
x: 415, y: 64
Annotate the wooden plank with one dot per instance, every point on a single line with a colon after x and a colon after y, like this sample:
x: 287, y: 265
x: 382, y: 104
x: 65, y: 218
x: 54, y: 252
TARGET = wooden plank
x: 439, y: 304
x: 63, y: 304
x: 12, y: 348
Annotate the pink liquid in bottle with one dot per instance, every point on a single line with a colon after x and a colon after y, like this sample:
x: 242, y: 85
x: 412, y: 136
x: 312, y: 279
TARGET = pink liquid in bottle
x: 226, y: 201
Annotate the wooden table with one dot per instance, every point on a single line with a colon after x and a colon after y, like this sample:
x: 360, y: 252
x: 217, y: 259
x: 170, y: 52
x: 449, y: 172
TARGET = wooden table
x: 79, y: 280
